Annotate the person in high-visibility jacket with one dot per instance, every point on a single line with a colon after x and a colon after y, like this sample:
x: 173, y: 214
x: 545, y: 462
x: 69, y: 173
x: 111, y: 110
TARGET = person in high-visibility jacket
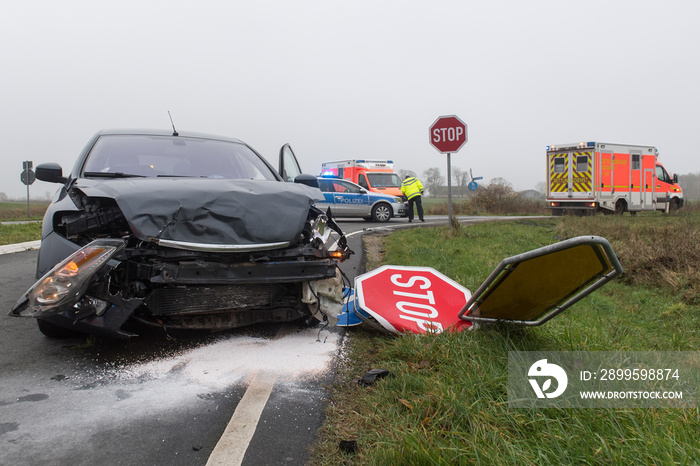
x: 412, y: 188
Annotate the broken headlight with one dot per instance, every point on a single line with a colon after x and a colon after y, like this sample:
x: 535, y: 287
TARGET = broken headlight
x: 320, y: 229
x: 67, y: 281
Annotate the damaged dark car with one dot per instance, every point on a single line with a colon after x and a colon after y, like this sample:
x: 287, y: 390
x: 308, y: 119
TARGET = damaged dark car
x: 181, y: 231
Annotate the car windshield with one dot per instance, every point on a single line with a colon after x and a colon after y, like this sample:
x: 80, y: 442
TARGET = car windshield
x: 384, y: 180
x: 152, y: 156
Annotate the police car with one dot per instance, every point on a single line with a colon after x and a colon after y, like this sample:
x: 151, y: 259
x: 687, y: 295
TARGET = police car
x: 347, y: 199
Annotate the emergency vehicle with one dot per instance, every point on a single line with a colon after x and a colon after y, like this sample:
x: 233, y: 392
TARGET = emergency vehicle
x: 592, y: 177
x: 373, y: 175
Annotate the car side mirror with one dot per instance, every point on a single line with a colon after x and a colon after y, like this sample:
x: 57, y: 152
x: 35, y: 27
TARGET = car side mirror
x: 675, y: 178
x: 308, y: 180
x: 51, y: 173
x: 363, y: 191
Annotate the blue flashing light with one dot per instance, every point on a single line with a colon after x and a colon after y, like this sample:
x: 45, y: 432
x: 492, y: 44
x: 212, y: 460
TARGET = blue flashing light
x: 328, y: 174
x: 359, y: 161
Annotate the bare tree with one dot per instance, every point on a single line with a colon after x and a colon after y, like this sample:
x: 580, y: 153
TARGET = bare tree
x: 541, y: 187
x: 432, y: 180
x: 403, y: 173
x: 459, y: 177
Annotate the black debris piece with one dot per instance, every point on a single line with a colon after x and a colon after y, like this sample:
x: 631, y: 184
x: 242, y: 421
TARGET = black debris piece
x: 371, y: 376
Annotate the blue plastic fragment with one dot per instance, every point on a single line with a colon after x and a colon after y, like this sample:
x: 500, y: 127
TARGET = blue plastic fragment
x: 349, y: 317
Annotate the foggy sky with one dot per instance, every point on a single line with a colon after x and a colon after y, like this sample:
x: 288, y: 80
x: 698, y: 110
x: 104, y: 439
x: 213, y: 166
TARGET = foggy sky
x: 360, y: 79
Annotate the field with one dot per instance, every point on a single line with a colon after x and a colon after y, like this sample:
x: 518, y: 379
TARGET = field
x: 10, y: 211
x: 447, y: 401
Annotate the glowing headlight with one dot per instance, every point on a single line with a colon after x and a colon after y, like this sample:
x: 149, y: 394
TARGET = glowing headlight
x: 68, y: 280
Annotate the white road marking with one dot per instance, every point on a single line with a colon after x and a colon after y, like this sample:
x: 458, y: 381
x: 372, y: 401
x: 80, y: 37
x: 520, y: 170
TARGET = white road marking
x: 232, y: 445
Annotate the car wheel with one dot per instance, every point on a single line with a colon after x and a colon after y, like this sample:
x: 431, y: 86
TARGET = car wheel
x: 381, y: 213
x: 54, y: 331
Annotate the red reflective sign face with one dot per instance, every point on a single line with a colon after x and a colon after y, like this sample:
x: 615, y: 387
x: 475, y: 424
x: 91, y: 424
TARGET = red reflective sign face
x: 412, y: 299
x: 448, y: 134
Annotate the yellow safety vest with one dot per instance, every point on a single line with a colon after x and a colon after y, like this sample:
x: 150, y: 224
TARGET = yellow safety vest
x: 411, y: 187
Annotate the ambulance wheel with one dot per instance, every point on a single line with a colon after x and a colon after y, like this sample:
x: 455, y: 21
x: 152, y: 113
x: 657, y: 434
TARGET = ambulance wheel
x: 381, y: 213
x: 675, y: 205
x: 620, y: 207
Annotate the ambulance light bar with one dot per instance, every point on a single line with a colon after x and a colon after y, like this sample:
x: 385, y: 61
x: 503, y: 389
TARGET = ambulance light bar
x: 581, y: 145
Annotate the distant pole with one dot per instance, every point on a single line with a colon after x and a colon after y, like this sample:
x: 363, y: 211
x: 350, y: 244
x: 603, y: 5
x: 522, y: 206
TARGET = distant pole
x: 29, y: 215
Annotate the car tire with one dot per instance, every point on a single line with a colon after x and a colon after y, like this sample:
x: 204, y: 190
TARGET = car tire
x: 54, y: 331
x: 381, y: 212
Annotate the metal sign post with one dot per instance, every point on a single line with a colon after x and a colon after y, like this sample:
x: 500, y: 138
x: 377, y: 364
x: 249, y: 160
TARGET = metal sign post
x: 473, y: 186
x: 27, y: 177
x: 449, y: 188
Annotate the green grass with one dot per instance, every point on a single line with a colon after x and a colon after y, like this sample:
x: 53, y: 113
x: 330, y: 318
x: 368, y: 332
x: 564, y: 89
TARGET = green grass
x: 19, y: 233
x: 447, y: 402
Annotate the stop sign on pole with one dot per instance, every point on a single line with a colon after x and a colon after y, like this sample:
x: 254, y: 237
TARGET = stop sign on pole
x: 448, y: 134
x: 412, y: 299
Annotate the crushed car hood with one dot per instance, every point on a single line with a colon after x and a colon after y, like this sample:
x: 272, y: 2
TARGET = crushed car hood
x: 211, y: 211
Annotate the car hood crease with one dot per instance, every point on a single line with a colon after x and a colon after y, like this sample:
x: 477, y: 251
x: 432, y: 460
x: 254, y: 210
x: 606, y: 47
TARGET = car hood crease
x: 209, y: 211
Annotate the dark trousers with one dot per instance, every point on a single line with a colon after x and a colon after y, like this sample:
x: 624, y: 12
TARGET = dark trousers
x: 419, y: 205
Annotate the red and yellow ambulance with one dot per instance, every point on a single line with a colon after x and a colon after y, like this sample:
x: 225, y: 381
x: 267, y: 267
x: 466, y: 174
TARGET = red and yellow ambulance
x: 592, y: 177
x: 373, y: 175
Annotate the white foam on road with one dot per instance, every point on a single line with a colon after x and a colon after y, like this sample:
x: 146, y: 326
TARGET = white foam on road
x: 119, y: 396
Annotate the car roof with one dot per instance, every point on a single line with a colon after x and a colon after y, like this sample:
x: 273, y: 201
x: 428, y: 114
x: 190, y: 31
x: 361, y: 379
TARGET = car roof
x: 163, y: 132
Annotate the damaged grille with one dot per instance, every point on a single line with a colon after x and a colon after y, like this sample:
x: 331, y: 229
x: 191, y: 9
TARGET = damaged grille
x: 211, y: 299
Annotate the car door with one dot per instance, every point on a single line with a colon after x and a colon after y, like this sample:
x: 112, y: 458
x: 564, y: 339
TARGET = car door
x: 352, y: 199
x: 288, y: 165
x: 327, y: 188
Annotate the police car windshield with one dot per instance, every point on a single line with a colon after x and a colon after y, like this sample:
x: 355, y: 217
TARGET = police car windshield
x: 384, y: 180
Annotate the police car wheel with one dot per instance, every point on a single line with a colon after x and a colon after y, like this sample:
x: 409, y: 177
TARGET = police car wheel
x: 381, y: 213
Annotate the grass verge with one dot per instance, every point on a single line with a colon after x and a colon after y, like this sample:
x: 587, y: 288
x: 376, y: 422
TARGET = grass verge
x: 20, y: 233
x: 447, y: 403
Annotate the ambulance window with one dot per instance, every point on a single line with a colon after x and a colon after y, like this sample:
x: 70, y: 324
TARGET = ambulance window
x: 582, y: 163
x: 362, y: 181
x: 559, y: 164
x: 662, y: 175
x: 635, y: 161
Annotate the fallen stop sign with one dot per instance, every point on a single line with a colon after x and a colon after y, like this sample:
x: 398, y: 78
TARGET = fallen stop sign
x: 412, y: 299
x: 448, y: 134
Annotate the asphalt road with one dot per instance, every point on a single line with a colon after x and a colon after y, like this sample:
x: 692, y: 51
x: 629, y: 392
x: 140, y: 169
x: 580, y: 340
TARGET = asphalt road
x: 157, y: 399
x: 251, y: 396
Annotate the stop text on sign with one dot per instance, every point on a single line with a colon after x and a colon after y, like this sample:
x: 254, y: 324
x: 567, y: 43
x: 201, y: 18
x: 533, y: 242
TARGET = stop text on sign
x: 419, y: 307
x: 448, y: 134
